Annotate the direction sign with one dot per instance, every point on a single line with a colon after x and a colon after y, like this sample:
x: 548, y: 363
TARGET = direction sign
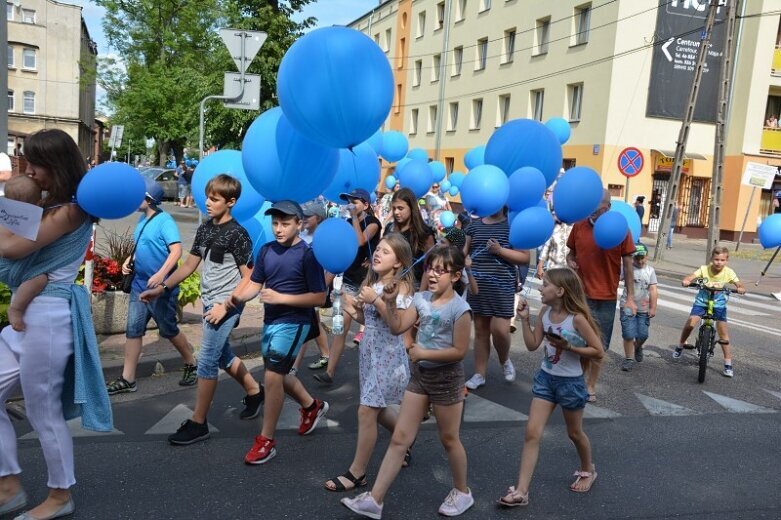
x: 630, y: 161
x: 250, y: 99
x: 253, y: 42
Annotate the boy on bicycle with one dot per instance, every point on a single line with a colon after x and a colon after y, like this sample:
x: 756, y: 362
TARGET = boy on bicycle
x: 716, y: 275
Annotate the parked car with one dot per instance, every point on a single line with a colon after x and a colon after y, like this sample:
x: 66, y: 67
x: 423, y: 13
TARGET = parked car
x: 165, y: 177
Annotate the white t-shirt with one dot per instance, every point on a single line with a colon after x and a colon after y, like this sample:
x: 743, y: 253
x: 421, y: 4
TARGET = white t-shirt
x: 559, y: 362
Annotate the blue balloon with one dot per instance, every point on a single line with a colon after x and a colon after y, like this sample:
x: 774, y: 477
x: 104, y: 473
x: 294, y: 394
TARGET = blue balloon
x: 631, y: 216
x: 527, y: 186
x: 485, y: 190
x: 280, y: 163
x: 475, y: 157
x: 770, y: 231
x: 228, y: 162
x: 358, y: 168
x: 444, y: 185
x: 336, y: 86
x: 560, y: 127
x: 456, y: 178
x: 531, y: 228
x: 610, y: 229
x: 447, y: 218
x: 335, y: 245
x: 373, y: 197
x: 438, y: 170
x: 418, y: 154
x: 111, y: 190
x: 453, y: 191
x: 400, y: 164
x: 577, y: 194
x: 417, y: 176
x: 259, y: 230
x: 390, y: 182
x: 543, y: 204
x: 394, y: 146
x: 375, y: 141
x: 525, y: 142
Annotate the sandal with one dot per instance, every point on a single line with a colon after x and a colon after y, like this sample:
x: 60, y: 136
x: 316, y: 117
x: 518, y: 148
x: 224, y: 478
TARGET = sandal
x: 581, y: 475
x: 514, y: 498
x: 407, y: 458
x: 338, y: 486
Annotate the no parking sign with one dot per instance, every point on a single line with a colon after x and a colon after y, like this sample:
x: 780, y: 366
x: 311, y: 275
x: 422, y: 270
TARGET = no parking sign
x: 630, y: 162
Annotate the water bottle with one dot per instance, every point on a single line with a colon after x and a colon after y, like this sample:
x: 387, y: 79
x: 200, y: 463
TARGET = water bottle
x: 573, y: 338
x: 337, y: 323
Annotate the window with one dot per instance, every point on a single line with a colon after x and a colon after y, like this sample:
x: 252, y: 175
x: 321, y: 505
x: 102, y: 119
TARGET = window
x: 28, y: 59
x: 503, y: 110
x: 397, y: 108
x: 582, y: 23
x: 440, y: 15
x: 377, y: 39
x: 542, y: 34
x: 458, y: 60
x: 432, y: 119
x: 508, y: 47
x: 452, y: 120
x: 421, y: 24
x: 450, y: 163
x: 10, y: 57
x: 413, y: 121
x: 386, y: 48
x: 418, y: 73
x: 477, y: 114
x: 616, y: 190
x: 575, y: 94
x: 537, y: 97
x: 10, y: 100
x: 482, y: 53
x: 460, y: 10
x: 9, y: 12
x: 28, y: 16
x: 436, y: 62
x: 484, y: 5
x: 29, y: 102
x: 402, y: 55
x: 9, y: 147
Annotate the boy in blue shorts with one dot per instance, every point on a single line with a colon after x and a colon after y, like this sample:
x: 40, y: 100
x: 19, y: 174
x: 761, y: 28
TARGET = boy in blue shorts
x: 225, y: 249
x: 716, y: 275
x: 291, y: 284
x: 634, y: 327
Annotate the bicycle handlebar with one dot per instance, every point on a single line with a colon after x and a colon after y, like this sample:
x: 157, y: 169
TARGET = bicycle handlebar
x: 699, y: 283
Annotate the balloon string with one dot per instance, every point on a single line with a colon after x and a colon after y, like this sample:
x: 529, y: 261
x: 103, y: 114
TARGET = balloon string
x: 416, y: 262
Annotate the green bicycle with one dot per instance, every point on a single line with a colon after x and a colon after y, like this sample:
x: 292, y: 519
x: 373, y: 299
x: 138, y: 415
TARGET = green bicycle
x: 706, y: 336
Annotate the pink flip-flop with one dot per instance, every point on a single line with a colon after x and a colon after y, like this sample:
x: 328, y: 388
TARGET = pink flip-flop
x: 581, y: 475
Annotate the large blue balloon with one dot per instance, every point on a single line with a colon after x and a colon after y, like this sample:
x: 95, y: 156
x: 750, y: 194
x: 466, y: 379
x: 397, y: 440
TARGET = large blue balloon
x: 485, y: 190
x: 417, y: 176
x: 447, y: 218
x: 335, y: 245
x: 444, y: 185
x: 631, y: 216
x: 336, y: 86
x: 577, y: 194
x: 390, y: 182
x: 456, y: 178
x: 531, y: 228
x: 418, y: 154
x: 111, y: 190
x: 228, y: 162
x: 358, y: 168
x: 438, y: 170
x: 770, y: 231
x: 560, y: 127
x: 610, y: 229
x: 281, y: 163
x: 375, y: 141
x: 475, y: 157
x: 259, y: 229
x: 525, y: 142
x: 400, y: 164
x: 527, y: 186
x: 394, y: 146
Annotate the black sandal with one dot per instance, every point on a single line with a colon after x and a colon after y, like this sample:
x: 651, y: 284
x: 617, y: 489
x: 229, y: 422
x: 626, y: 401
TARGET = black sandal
x: 338, y: 486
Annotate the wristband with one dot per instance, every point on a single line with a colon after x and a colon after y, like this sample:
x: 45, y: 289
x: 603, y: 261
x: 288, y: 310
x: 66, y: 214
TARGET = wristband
x: 165, y: 287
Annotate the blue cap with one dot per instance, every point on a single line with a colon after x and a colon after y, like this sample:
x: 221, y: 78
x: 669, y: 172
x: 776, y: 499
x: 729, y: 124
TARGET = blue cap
x: 357, y: 193
x: 154, y: 192
x: 286, y: 207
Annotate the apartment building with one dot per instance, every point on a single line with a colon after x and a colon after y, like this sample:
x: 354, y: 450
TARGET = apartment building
x: 51, y: 72
x: 618, y: 71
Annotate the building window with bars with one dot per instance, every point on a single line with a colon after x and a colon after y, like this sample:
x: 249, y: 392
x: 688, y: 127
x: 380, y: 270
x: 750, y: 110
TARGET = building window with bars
x: 508, y: 47
x: 575, y: 94
x: 503, y: 110
x: 582, y: 24
x: 452, y: 120
x: 542, y: 36
x: 477, y: 114
x: 537, y: 99
x: 458, y: 60
x: 482, y: 53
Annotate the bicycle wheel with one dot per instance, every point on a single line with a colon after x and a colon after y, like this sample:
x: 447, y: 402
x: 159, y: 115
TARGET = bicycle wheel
x: 704, y: 341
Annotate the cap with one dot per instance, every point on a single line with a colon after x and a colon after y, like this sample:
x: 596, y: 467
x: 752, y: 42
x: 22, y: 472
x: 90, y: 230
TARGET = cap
x: 154, y: 192
x: 286, y: 207
x: 456, y: 237
x: 313, y: 209
x: 641, y: 250
x: 357, y: 193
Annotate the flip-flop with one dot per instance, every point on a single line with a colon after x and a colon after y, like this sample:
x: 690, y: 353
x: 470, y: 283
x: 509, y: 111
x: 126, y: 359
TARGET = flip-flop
x: 516, y: 498
x: 581, y: 475
x: 592, y: 398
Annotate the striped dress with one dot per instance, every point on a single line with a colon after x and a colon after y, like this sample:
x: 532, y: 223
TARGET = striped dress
x: 496, y: 278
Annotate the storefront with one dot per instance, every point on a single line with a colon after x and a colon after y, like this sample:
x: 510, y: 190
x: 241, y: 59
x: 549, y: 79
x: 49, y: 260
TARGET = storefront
x: 693, y: 194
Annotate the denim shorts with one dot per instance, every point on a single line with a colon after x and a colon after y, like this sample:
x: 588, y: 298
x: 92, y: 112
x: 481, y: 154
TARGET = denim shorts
x: 184, y: 190
x: 280, y: 345
x: 216, y: 352
x: 567, y: 392
x: 635, y: 327
x: 604, y: 313
x: 719, y: 313
x: 162, y: 309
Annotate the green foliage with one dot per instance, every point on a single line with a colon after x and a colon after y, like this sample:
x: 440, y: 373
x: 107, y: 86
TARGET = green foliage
x: 5, y: 300
x: 189, y: 290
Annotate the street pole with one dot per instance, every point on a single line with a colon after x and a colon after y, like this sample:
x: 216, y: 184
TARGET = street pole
x: 4, y: 86
x: 745, y: 218
x: 626, y: 191
x: 714, y: 219
x: 442, y: 74
x: 683, y: 136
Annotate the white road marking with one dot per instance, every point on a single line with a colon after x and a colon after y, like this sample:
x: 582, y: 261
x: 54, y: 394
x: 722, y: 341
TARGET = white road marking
x: 479, y: 409
x: 659, y: 407
x: 172, y: 420
x: 74, y: 425
x: 736, y: 405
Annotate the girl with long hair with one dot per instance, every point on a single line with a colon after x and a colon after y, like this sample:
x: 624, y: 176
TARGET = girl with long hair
x: 408, y: 221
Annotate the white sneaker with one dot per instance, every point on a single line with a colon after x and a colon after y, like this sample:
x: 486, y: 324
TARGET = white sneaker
x: 475, y: 382
x: 509, y: 371
x: 364, y: 505
x: 456, y: 503
x: 728, y: 371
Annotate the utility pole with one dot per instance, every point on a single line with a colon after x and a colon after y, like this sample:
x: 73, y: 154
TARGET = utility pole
x: 4, y: 85
x: 671, y: 196
x: 714, y: 218
x: 442, y: 79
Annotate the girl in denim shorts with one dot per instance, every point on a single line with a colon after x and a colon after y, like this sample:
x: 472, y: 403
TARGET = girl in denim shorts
x: 569, y: 335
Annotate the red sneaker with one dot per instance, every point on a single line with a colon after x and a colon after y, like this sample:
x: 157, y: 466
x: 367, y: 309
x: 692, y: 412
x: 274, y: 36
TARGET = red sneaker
x: 309, y: 419
x: 262, y: 451
x: 358, y: 338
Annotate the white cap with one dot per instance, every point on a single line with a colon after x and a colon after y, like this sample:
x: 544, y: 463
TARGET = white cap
x: 5, y: 163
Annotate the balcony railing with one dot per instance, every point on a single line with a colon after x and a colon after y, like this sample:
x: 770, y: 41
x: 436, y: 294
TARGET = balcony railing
x: 776, y: 70
x: 771, y: 141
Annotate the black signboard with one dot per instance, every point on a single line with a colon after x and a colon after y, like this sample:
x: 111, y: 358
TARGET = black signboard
x: 680, y: 28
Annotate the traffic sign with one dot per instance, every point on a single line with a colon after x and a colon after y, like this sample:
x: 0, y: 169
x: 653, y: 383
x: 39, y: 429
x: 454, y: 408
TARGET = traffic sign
x: 630, y: 161
x: 253, y: 42
x: 250, y: 99
x: 115, y: 140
